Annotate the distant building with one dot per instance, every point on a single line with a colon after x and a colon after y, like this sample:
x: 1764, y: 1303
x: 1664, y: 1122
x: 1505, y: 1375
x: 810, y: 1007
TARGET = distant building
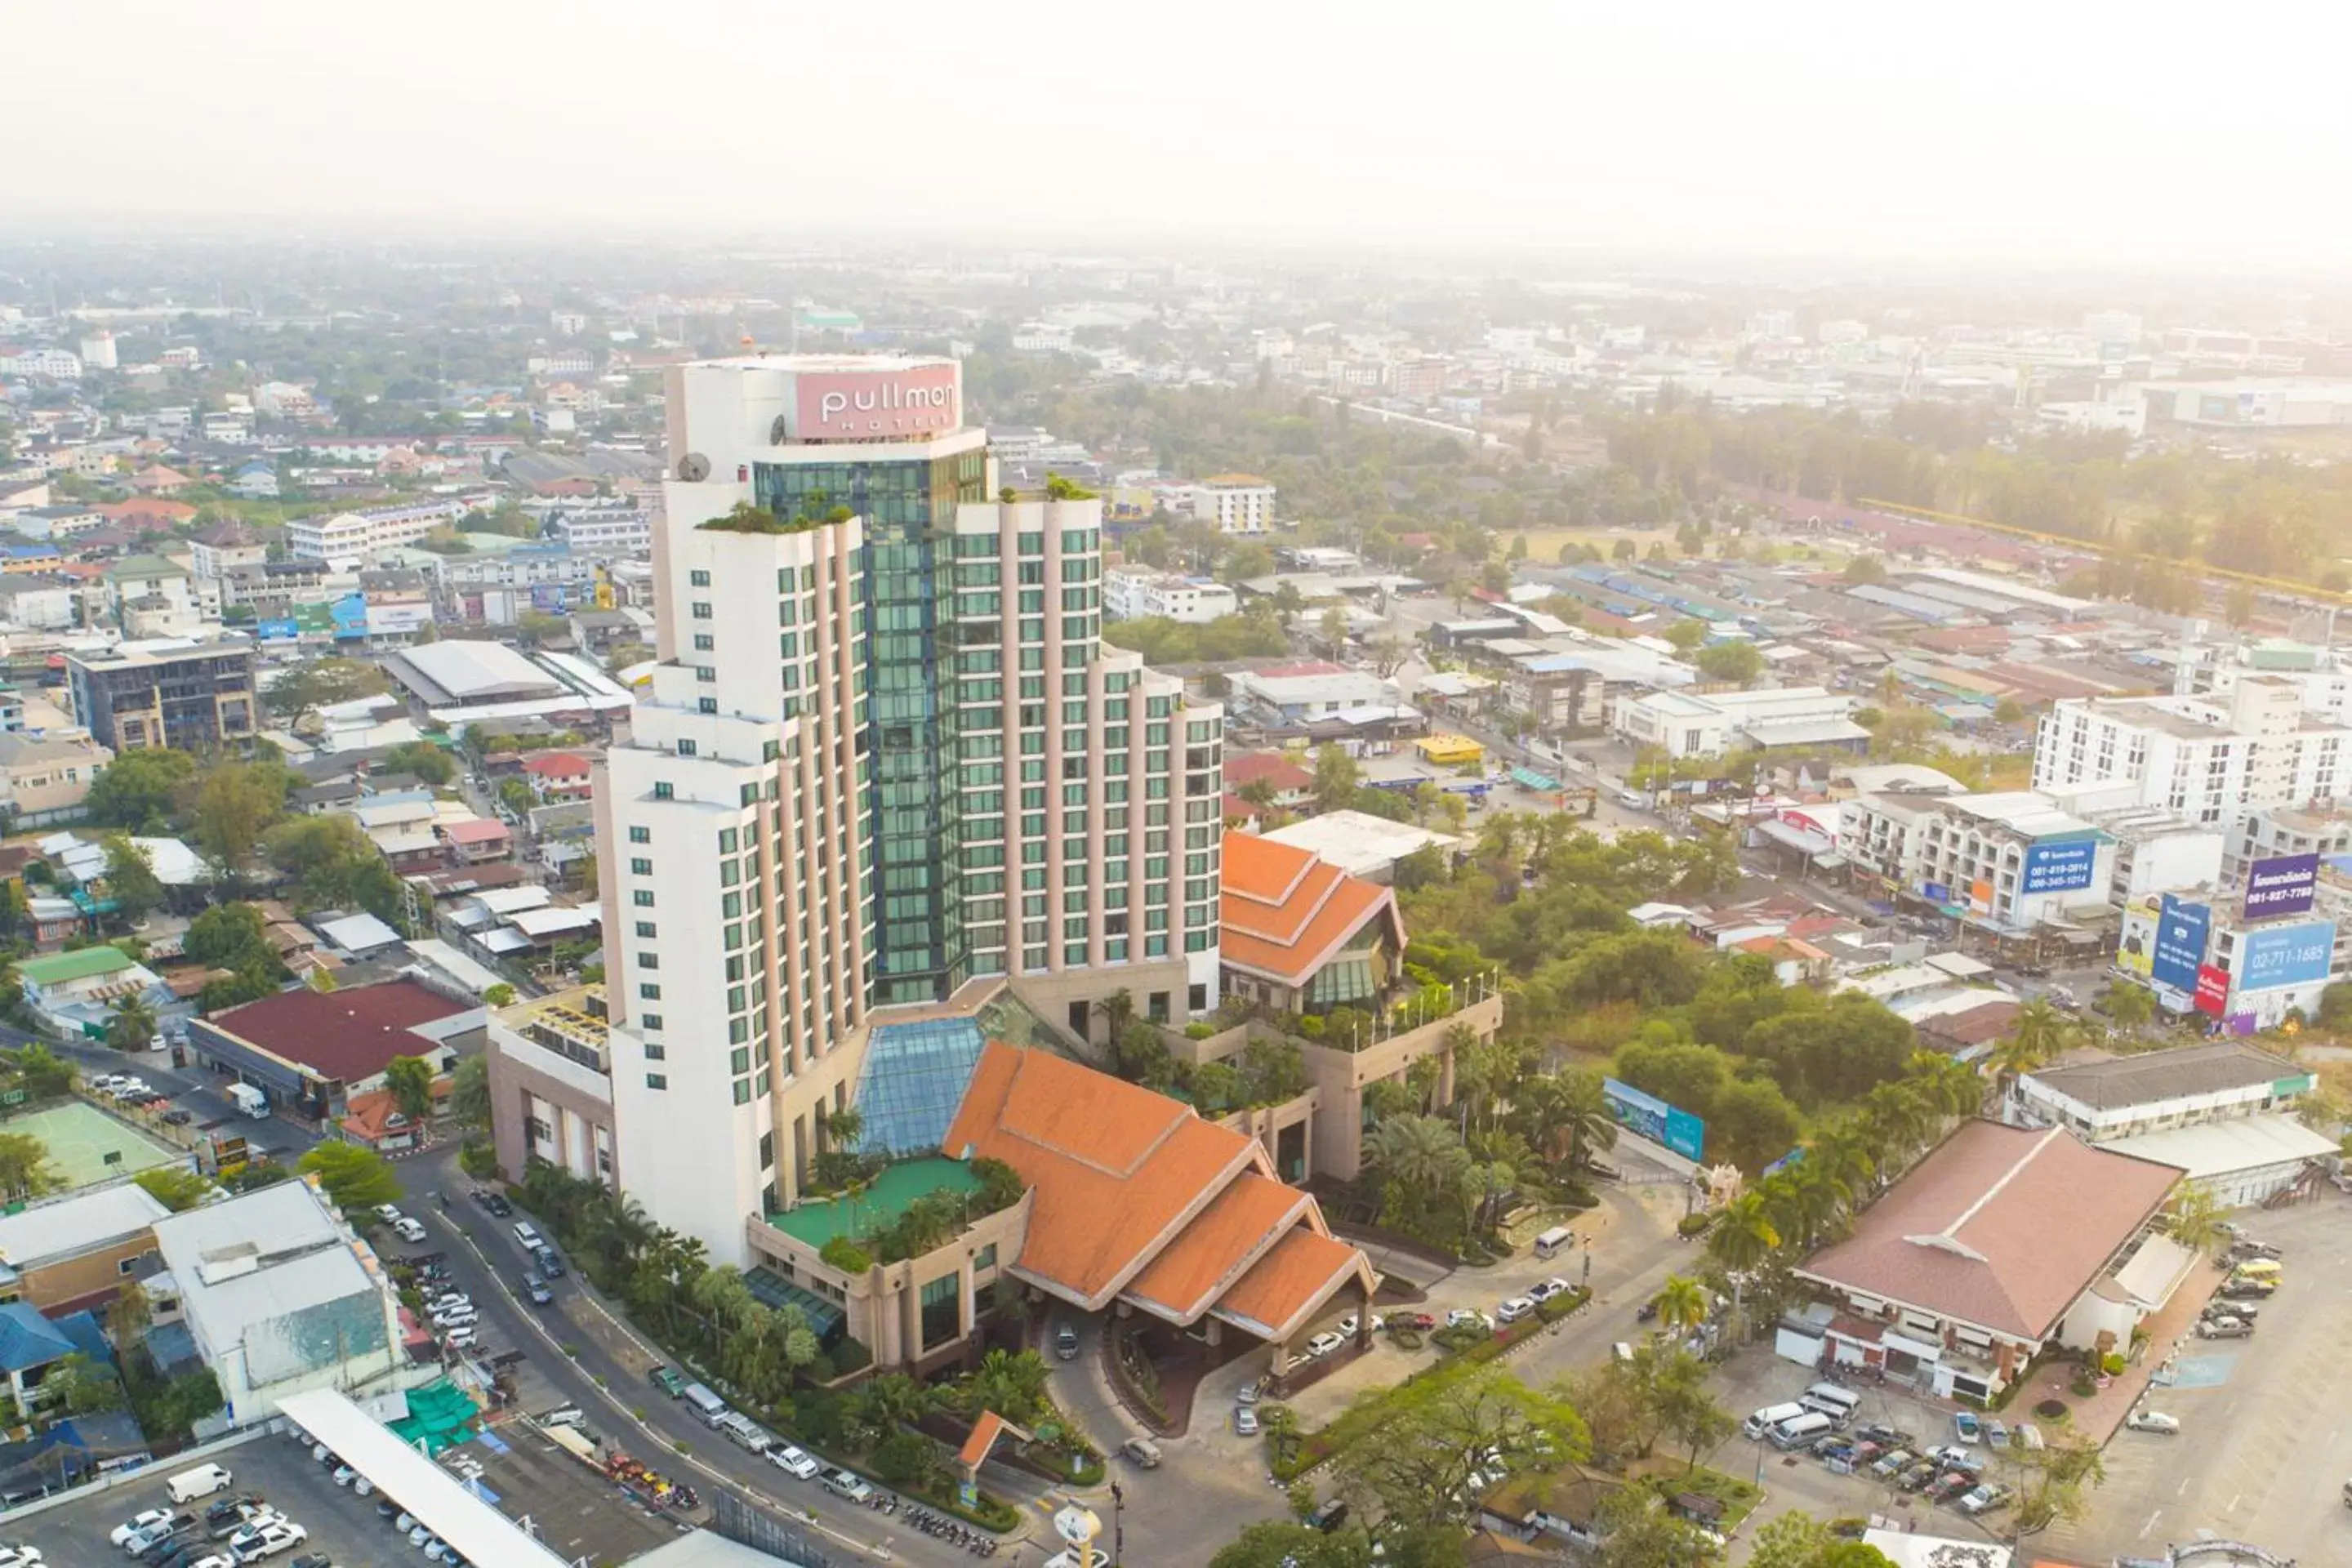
x: 1235, y: 503
x: 1135, y: 593
x: 311, y: 1050
x: 45, y: 778
x: 2209, y: 759
x: 178, y: 693
x: 1687, y: 724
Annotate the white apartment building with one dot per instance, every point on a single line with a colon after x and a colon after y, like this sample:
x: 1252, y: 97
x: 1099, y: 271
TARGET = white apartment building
x: 50, y: 364
x: 610, y: 529
x: 2207, y: 759
x: 1235, y: 503
x: 2011, y: 862
x: 1689, y: 724
x: 2157, y: 851
x: 1135, y: 593
x: 359, y: 535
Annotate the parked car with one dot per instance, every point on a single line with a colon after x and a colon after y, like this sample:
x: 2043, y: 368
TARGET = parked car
x: 1141, y: 1451
x: 2248, y: 1289
x: 2154, y: 1421
x: 1422, y: 1321
x: 137, y: 1522
x: 1322, y: 1344
x: 1066, y: 1344
x: 388, y: 1212
x: 791, y: 1460
x: 1996, y: 1434
x: 2225, y: 1329
x: 667, y: 1381
x: 534, y: 1287
x: 407, y: 1229
x: 1951, y: 1484
x: 1245, y: 1421
x: 463, y: 1338
x: 19, y: 1556
x: 1547, y: 1290
x: 1965, y: 1423
x: 1468, y: 1318
x: 1516, y: 1308
x: 2246, y: 1310
x: 267, y: 1542
x: 842, y: 1484
x: 1347, y: 1325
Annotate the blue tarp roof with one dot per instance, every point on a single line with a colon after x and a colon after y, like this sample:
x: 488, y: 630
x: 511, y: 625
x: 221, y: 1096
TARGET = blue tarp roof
x: 28, y: 1340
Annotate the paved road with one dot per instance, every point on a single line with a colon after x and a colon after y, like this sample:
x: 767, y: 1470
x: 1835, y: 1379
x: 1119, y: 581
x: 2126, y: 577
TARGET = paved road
x: 484, y: 1260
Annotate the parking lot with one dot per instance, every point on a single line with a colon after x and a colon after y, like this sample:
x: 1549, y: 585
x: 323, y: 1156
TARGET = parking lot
x: 574, y: 1512
x: 2265, y: 1445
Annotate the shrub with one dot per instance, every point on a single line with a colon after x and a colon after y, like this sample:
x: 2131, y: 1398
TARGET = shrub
x: 1197, y: 1030
x: 850, y: 1355
x: 845, y: 1255
x: 2083, y: 1387
x: 479, y: 1160
x: 2113, y: 1365
x: 1692, y: 1224
x: 1405, y: 1339
x: 1459, y: 1338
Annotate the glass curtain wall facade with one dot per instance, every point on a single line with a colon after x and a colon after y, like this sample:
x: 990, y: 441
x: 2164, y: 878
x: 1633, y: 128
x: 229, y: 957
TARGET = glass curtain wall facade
x: 909, y: 806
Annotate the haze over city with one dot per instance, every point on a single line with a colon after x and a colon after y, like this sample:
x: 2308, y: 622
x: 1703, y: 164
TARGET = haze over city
x: 2030, y: 133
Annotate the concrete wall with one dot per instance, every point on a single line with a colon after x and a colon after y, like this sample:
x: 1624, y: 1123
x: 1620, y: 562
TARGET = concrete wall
x: 1341, y: 1077
x: 522, y: 1072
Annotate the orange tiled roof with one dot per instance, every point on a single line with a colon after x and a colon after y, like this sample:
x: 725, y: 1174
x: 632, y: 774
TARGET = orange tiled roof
x: 1284, y: 911
x: 1294, y: 1279
x: 1115, y: 1170
x: 370, y: 1115
x: 1237, y: 1227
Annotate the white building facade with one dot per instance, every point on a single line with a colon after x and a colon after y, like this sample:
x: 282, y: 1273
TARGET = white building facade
x: 1135, y: 593
x: 2209, y: 760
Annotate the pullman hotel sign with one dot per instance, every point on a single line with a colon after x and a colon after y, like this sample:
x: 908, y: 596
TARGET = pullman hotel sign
x: 866, y: 405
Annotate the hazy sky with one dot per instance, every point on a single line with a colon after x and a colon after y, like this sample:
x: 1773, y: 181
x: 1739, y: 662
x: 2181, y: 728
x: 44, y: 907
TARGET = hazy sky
x: 2062, y: 129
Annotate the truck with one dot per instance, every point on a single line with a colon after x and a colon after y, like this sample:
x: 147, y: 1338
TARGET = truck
x: 248, y: 1099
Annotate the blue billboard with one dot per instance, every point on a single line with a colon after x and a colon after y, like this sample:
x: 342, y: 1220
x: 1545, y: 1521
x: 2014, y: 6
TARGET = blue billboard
x: 2282, y: 885
x: 281, y: 630
x: 2285, y: 955
x: 1647, y: 1116
x: 2062, y: 866
x: 2181, y: 929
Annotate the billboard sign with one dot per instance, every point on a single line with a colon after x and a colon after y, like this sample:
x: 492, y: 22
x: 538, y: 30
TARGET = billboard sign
x: 1936, y: 892
x: 2181, y: 929
x: 2135, y: 948
x: 1647, y: 1116
x: 2212, y: 990
x: 2061, y: 867
x: 2283, y: 885
x: 2297, y: 954
x: 871, y: 405
x: 282, y: 629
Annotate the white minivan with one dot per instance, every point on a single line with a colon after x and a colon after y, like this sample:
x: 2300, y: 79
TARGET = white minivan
x: 1802, y: 1429
x: 1837, y: 1404
x: 202, y: 1481
x: 1772, y: 1416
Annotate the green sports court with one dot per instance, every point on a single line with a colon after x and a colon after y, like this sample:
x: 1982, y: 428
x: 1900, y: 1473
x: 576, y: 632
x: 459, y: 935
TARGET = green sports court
x: 88, y: 1146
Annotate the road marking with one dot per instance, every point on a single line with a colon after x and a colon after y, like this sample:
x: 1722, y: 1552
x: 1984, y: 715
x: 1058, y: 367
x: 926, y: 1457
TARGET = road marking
x: 2181, y: 1490
x: 2145, y: 1528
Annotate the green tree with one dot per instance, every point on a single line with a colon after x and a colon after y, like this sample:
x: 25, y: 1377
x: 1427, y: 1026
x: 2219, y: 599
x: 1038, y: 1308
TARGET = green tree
x: 131, y: 879
x: 1416, y: 1472
x: 2194, y: 1218
x: 1682, y: 1304
x: 78, y: 1385
x: 25, y: 1168
x: 1686, y: 635
x: 138, y: 790
x: 469, y: 1092
x: 1246, y: 562
x: 43, y: 1072
x: 1795, y: 1539
x: 1336, y: 778
x: 232, y: 807
x: 499, y: 996
x: 1861, y: 571
x: 355, y: 1180
x: 423, y: 758
x: 1641, y: 1532
x: 2058, y: 1480
x: 176, y: 1187
x: 2131, y: 1006
x: 2037, y: 1036
x: 1293, y: 1545
x: 132, y: 1026
x: 1736, y: 662
x: 303, y: 688
x: 233, y: 937
x: 410, y: 1080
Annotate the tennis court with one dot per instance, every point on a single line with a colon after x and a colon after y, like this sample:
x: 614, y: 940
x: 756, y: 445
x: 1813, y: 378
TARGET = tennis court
x: 88, y: 1146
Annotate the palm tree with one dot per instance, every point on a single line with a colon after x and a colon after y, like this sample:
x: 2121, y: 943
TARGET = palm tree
x: 1843, y: 1156
x: 1743, y: 1236
x: 1565, y: 1115
x: 1682, y: 1304
x: 132, y: 1028
x: 2194, y: 1218
x: 843, y: 1128
x: 2037, y: 1036
x: 1418, y: 1152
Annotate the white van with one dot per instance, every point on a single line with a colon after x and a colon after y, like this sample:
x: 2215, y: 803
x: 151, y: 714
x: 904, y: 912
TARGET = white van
x: 202, y: 1481
x: 1559, y: 1238
x: 1802, y: 1429
x: 708, y: 1405
x: 528, y: 1233
x: 1837, y: 1404
x: 1772, y: 1416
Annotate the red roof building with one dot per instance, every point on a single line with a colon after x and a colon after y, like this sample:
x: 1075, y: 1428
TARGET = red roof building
x: 1301, y: 935
x: 313, y: 1049
x: 559, y: 775
x: 1136, y: 1198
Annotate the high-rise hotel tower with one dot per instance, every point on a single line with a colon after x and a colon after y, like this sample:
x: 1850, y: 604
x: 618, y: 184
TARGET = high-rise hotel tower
x: 885, y: 768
